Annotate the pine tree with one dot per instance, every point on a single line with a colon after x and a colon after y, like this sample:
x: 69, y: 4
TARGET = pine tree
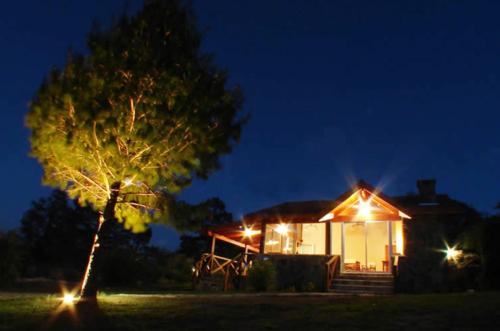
x: 127, y: 126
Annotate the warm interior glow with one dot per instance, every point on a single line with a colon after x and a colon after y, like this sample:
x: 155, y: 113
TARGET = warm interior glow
x: 287, y: 245
x: 301, y: 238
x: 366, y: 247
x: 397, y: 231
x: 311, y: 239
x: 68, y: 298
x: 282, y: 229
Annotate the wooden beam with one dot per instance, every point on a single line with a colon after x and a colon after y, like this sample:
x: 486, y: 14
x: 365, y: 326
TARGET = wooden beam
x: 262, y: 237
x: 346, y: 204
x: 328, y: 243
x: 234, y: 242
x: 212, y: 248
x: 379, y: 217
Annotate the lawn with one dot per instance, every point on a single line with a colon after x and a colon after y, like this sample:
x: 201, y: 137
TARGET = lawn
x: 465, y: 311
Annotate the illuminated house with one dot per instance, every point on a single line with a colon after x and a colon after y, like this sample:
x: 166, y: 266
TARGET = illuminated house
x: 361, y: 234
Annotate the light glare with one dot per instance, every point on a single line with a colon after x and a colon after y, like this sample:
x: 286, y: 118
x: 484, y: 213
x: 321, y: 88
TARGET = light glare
x: 128, y: 182
x: 282, y: 229
x: 248, y: 232
x: 68, y: 298
x: 364, y: 208
x: 452, y: 253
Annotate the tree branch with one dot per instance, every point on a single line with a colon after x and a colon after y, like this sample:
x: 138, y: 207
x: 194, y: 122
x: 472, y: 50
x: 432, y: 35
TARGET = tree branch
x: 132, y: 115
x: 140, y: 153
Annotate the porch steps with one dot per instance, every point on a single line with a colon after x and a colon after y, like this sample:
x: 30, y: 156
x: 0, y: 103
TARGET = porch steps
x: 355, y: 284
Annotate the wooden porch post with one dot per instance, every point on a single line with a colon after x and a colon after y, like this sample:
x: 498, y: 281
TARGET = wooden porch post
x: 389, y: 227
x: 262, y: 237
x: 328, y: 243
x: 212, y: 249
x: 245, y: 261
x: 212, y: 253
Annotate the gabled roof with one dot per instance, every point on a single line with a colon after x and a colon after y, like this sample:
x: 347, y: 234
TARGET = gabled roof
x: 313, y: 210
x: 364, y: 203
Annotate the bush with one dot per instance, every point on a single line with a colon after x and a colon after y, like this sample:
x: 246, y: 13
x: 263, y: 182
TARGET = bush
x: 303, y: 273
x: 262, y: 276
x: 11, y: 258
x: 175, y: 271
x: 483, y: 239
x: 424, y: 269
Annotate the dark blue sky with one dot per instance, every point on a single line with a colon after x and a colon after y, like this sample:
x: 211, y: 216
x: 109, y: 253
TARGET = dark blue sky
x: 387, y: 91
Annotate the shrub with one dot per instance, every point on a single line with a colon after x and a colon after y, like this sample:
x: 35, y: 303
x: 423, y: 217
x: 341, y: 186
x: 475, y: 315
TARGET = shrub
x: 303, y: 273
x: 310, y: 287
x: 11, y: 258
x: 262, y: 276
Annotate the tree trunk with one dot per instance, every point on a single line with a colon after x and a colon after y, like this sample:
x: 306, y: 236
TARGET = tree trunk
x: 90, y: 282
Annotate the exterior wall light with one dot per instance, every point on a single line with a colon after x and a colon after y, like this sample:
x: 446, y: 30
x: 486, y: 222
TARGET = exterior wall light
x: 452, y: 253
x: 282, y: 229
x: 364, y: 208
x: 68, y: 298
x: 248, y: 232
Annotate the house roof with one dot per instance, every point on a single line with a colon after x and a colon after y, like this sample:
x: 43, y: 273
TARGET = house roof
x: 296, y: 210
x: 440, y: 204
x: 314, y: 210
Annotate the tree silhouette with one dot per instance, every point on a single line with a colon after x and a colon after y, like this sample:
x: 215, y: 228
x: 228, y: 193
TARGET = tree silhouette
x: 127, y: 126
x: 57, y: 234
x: 209, y: 213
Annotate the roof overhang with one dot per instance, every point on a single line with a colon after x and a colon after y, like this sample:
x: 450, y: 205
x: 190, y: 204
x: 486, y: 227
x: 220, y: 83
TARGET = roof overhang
x: 365, y: 205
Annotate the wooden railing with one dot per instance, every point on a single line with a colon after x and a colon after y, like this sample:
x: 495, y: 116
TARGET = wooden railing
x: 231, y: 269
x: 332, y: 267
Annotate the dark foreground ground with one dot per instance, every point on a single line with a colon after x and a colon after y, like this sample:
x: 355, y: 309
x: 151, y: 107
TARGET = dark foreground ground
x: 468, y: 311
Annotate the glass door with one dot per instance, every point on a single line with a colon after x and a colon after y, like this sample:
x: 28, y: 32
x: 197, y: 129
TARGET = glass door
x: 366, y: 247
x: 377, y: 242
x: 354, y: 252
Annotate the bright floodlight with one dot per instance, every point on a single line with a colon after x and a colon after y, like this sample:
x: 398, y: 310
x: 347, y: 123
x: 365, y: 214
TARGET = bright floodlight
x: 248, y: 232
x: 452, y: 253
x: 282, y: 229
x: 364, y: 208
x: 128, y: 182
x: 68, y: 298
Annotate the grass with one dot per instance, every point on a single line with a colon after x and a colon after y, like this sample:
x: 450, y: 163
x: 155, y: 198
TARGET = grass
x: 467, y: 311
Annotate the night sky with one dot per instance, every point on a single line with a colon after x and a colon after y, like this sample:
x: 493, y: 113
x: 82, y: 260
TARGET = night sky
x: 386, y: 91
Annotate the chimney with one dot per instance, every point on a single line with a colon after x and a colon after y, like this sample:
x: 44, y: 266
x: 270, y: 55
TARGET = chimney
x: 427, y: 189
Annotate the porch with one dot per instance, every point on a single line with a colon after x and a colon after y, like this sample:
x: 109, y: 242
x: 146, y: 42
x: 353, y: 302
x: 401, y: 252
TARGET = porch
x: 361, y: 233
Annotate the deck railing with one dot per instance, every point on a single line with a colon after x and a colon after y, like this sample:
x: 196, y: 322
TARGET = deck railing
x: 332, y: 268
x: 231, y: 269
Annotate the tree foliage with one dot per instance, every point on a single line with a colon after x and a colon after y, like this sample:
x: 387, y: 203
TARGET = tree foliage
x: 12, y: 257
x: 209, y: 213
x: 132, y: 122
